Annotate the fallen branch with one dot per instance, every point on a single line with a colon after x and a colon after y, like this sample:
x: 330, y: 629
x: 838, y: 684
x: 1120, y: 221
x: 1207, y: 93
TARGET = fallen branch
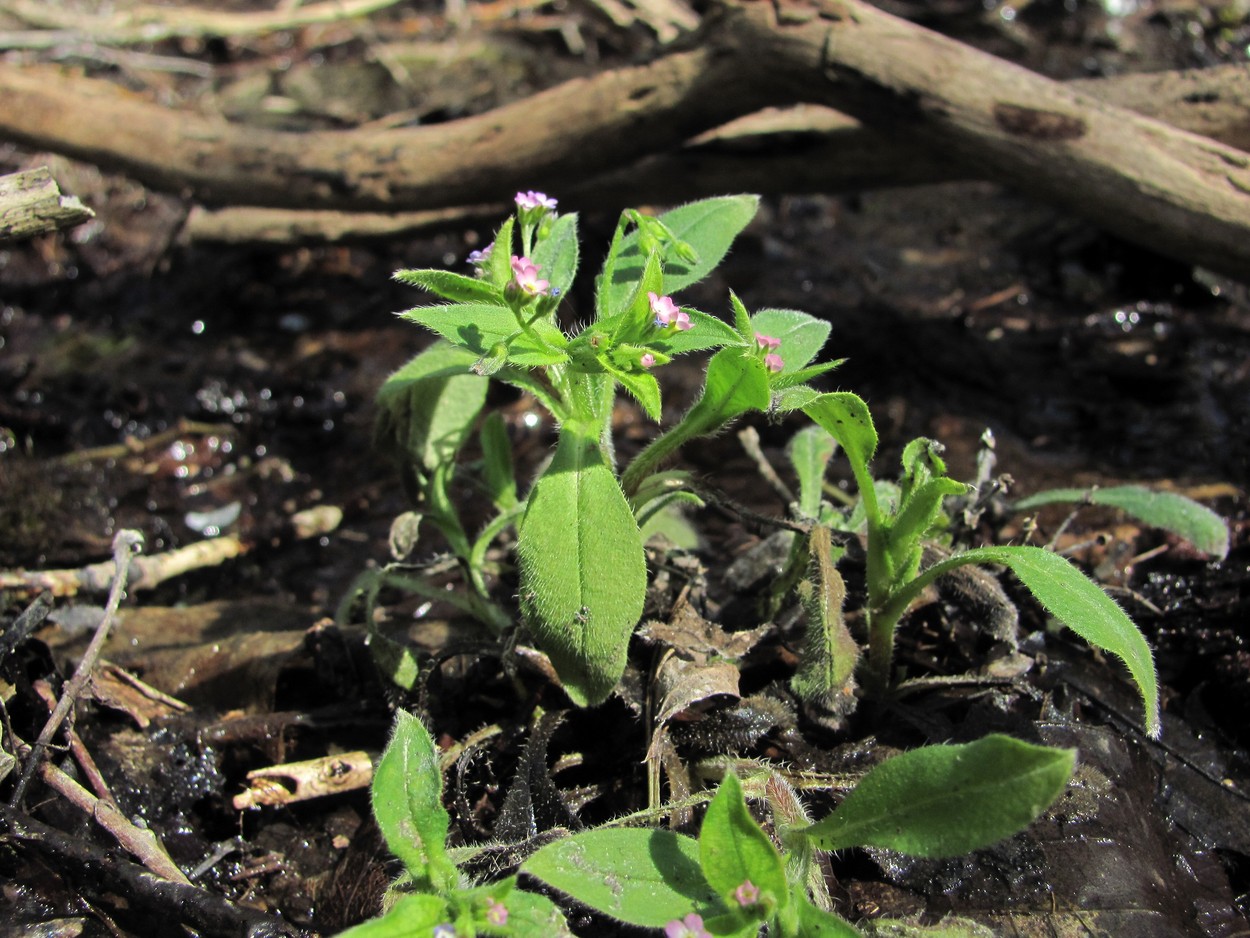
x: 143, y: 22
x: 167, y: 907
x: 31, y: 204
x: 148, y: 572
x: 1151, y: 183
x: 804, y: 149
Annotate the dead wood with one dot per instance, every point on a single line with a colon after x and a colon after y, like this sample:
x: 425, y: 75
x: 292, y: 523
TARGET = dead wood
x: 167, y: 907
x: 31, y: 204
x: 939, y: 108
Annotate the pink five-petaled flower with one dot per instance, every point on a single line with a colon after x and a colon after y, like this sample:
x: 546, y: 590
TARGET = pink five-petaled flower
x: 689, y: 927
x: 525, y: 271
x: 767, y: 342
x: 497, y: 913
x: 747, y: 894
x: 532, y: 200
x: 667, y: 313
x: 773, y: 362
x: 647, y: 360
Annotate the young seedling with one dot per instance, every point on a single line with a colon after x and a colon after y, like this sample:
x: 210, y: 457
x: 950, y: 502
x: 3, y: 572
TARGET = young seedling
x: 931, y: 802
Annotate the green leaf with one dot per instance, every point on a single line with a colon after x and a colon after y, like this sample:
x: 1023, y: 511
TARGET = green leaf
x: 825, y: 675
x: 846, y: 418
x: 817, y: 922
x: 788, y: 379
x: 583, y: 571
x: 705, y: 332
x: 733, y: 849
x: 499, y: 266
x: 709, y: 226
x: 1081, y: 605
x: 556, y: 254
x: 642, y: 385
x: 736, y: 382
x: 426, y: 409
x: 742, y: 320
x: 411, y: 915
x: 802, y: 335
x: 408, y: 804
x: 940, y: 801
x: 479, y: 327
x: 533, y: 916
x: 920, y: 510
x: 450, y: 286
x: 809, y: 451
x: 1170, y: 511
x: 497, y: 469
x: 642, y: 877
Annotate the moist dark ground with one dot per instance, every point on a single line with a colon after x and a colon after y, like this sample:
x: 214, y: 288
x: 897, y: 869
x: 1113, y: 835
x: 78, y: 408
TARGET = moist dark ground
x: 144, y: 382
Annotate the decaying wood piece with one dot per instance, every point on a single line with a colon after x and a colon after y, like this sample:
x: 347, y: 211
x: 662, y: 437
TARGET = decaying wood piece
x: 1173, y: 191
x: 804, y: 149
x: 937, y: 102
x: 31, y: 204
x: 145, y: 22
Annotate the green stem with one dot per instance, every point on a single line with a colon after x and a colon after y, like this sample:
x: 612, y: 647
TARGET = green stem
x: 883, y: 619
x: 663, y: 446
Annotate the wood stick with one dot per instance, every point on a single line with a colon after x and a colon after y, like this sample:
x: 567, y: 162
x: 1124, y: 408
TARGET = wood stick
x: 1169, y: 190
x: 1172, y: 191
x: 31, y: 204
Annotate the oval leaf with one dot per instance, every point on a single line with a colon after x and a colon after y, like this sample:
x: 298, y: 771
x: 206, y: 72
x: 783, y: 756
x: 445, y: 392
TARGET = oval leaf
x: 941, y: 801
x: 556, y: 254
x: 802, y: 335
x: 583, y: 571
x: 407, y: 798
x: 733, y: 848
x: 644, y: 877
x: 451, y: 286
x: 1170, y: 511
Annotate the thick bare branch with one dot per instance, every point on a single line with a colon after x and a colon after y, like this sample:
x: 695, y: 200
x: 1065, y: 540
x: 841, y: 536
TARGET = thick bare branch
x: 937, y: 108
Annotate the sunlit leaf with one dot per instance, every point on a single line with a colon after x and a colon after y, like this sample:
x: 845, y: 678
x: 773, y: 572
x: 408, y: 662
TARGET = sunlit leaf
x: 940, y: 801
x: 1170, y: 511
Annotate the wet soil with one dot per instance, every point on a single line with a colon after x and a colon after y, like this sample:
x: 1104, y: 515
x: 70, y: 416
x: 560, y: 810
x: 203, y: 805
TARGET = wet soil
x: 197, y: 393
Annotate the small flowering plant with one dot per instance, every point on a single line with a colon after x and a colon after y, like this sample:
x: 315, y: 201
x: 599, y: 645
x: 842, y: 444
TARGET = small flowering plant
x: 579, y: 540
x: 733, y: 878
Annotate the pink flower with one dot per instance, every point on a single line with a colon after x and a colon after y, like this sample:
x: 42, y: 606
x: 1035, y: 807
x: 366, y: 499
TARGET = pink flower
x: 531, y: 200
x: 767, y: 342
x: 526, y: 276
x: 747, y: 894
x: 689, y: 927
x: 647, y: 360
x: 667, y: 313
x: 774, y: 363
x: 497, y: 913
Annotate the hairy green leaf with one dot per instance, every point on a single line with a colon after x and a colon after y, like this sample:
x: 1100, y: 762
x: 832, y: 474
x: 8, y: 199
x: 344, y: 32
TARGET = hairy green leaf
x: 643, y: 877
x: 411, y: 915
x: 814, y: 921
x: 426, y: 409
x: 940, y: 801
x: 407, y: 802
x: 583, y: 571
x: 1081, y: 605
x: 450, y: 286
x: 809, y: 451
x: 497, y: 469
x: 802, y: 335
x: 557, y: 254
x: 734, y: 849
x: 705, y: 332
x: 709, y: 226
x: 736, y: 382
x: 1170, y: 511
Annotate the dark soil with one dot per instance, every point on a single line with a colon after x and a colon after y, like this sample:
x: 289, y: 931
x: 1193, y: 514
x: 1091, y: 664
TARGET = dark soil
x: 191, y: 392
